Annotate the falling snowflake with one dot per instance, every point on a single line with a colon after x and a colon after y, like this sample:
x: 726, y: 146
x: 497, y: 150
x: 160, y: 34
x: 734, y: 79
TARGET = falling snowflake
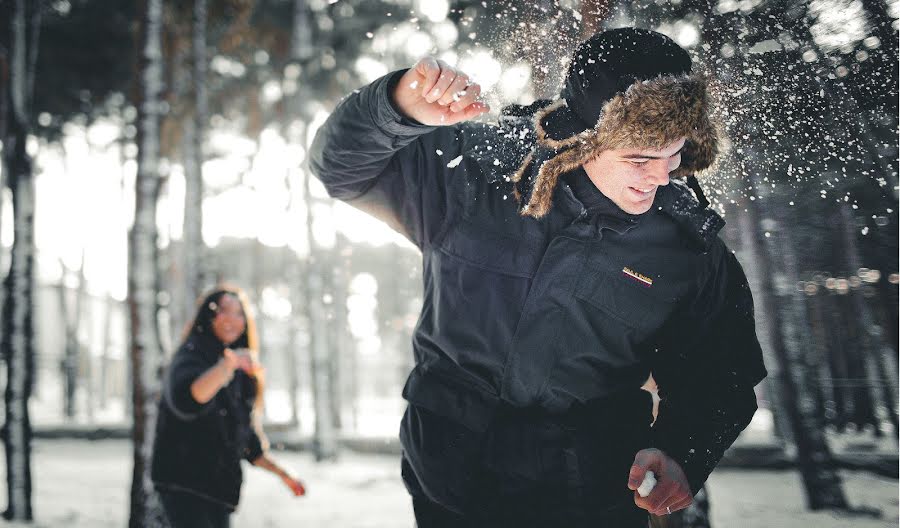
x: 454, y: 162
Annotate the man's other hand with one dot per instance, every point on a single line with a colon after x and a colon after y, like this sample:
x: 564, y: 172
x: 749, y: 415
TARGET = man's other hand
x: 671, y: 493
x: 434, y: 93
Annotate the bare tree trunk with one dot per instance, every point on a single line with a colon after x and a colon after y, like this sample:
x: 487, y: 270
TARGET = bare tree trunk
x: 845, y: 400
x: 296, y: 287
x: 764, y: 327
x: 876, y: 353
x: 888, y: 308
x: 346, y: 380
x: 18, y: 336
x: 802, y: 399
x: 146, y: 353
x: 69, y: 363
x: 815, y: 303
x: 4, y: 118
x: 324, y: 434
x: 292, y: 348
x: 103, y: 396
x: 71, y: 322
x: 17, y: 340
x: 324, y: 438
x: 194, y: 254
x: 301, y: 36
x: 301, y: 51
x: 861, y: 411
x: 337, y: 327
x: 352, y: 377
x: 90, y: 393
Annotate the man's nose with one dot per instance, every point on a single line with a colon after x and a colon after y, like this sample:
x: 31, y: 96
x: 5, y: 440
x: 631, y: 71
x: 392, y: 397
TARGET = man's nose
x: 660, y: 173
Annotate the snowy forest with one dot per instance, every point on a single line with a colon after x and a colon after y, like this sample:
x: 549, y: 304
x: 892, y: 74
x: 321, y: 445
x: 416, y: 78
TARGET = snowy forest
x: 153, y: 149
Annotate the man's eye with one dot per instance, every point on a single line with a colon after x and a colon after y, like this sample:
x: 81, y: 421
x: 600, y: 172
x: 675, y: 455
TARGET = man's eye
x: 638, y: 162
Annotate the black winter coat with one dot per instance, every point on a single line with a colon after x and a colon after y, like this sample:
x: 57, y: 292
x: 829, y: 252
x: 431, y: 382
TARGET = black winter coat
x: 198, y: 447
x: 546, y: 313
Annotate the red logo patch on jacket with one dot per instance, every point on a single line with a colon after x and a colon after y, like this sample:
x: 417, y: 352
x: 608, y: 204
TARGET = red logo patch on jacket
x: 643, y: 279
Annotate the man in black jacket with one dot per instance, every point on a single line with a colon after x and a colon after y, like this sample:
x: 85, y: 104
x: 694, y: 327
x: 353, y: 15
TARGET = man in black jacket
x: 562, y: 267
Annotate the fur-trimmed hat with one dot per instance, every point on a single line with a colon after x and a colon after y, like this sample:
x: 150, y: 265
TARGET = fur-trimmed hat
x: 625, y: 88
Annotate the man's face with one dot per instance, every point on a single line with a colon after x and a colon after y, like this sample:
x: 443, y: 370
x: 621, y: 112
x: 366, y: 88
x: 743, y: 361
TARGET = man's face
x: 630, y: 177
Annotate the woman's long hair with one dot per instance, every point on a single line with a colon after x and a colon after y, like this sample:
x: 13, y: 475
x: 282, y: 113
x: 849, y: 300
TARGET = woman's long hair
x: 207, y: 308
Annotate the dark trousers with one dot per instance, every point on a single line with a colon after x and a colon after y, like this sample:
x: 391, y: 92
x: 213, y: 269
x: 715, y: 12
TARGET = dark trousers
x: 184, y: 510
x: 527, y: 469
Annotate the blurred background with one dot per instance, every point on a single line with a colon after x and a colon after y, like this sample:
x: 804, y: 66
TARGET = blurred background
x: 151, y: 149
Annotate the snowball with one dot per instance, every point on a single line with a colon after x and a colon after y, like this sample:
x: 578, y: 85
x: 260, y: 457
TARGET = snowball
x: 647, y: 485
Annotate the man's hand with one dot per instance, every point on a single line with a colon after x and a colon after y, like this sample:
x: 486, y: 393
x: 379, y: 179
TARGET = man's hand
x: 434, y: 93
x: 671, y: 493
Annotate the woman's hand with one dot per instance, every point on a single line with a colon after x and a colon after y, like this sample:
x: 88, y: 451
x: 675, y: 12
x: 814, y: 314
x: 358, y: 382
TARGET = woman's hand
x: 434, y: 93
x: 294, y: 484
x: 241, y: 358
x: 265, y: 461
x: 231, y: 359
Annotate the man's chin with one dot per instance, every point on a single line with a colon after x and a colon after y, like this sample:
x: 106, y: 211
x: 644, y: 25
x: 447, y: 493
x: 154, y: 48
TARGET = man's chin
x: 638, y: 209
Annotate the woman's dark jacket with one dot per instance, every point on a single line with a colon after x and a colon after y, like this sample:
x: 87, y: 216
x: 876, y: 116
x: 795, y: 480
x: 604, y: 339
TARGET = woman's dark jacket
x: 199, y: 447
x: 545, y: 313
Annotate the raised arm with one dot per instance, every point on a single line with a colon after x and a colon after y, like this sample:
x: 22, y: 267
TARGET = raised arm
x: 385, y: 148
x: 208, y: 384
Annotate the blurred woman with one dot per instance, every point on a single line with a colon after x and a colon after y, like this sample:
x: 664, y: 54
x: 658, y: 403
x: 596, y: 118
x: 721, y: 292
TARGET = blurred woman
x: 209, y: 416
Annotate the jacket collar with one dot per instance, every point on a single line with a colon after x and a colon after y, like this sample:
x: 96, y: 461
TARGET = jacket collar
x: 700, y: 224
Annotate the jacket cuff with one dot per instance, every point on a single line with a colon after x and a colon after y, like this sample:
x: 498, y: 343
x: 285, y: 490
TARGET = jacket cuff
x: 386, y: 115
x: 254, y: 448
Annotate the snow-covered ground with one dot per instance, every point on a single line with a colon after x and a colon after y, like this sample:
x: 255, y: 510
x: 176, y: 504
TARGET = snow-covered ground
x: 84, y: 484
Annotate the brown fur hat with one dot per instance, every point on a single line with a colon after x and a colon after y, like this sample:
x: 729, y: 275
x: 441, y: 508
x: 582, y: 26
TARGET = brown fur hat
x: 641, y: 90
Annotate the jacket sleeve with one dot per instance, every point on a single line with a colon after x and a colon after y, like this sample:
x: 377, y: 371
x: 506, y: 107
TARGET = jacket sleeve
x: 382, y: 163
x: 257, y: 443
x: 707, y: 363
x: 185, y: 367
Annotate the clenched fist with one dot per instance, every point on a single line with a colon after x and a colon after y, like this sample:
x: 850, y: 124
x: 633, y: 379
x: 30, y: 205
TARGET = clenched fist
x: 434, y: 93
x: 671, y: 492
